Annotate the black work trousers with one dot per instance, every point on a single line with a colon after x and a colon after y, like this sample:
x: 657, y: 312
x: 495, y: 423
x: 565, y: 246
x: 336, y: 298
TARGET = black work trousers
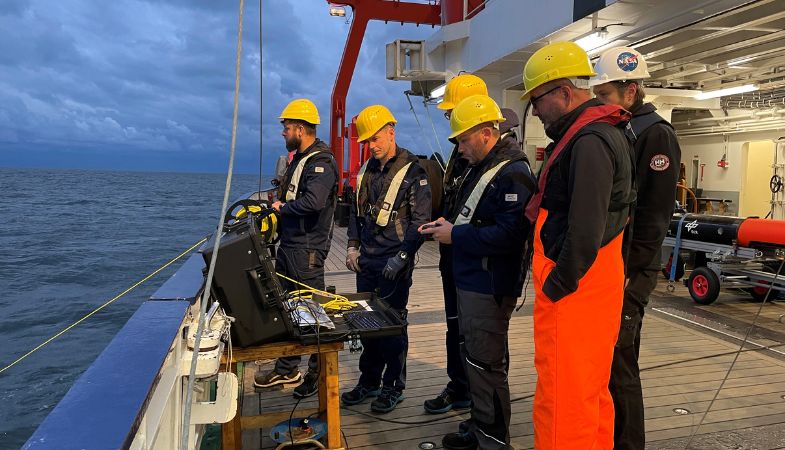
x: 458, y: 386
x: 625, y: 383
x: 307, y: 267
x: 484, y: 323
x: 383, y: 359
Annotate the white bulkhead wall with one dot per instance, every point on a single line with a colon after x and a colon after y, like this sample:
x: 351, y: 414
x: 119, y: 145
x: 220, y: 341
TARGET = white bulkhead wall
x: 733, y: 181
x: 503, y: 27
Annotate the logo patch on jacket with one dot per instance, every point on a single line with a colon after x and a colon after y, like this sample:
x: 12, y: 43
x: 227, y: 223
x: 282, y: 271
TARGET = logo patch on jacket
x: 423, y: 182
x: 659, y: 162
x: 511, y: 197
x: 318, y: 169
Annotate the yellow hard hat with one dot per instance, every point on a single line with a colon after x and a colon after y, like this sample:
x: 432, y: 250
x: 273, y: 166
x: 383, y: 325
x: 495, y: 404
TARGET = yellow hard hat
x: 461, y: 87
x: 371, y: 120
x: 301, y: 109
x: 553, y: 62
x: 472, y: 111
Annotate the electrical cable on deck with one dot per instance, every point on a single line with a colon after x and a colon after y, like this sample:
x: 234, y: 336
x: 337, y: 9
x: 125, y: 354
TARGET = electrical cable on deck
x: 736, y: 357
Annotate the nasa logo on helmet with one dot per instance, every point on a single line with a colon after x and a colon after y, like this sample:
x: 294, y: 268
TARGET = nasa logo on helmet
x: 627, y: 61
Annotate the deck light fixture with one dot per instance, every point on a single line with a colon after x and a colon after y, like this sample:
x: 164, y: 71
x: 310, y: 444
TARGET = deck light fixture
x: 337, y: 11
x: 595, y: 39
x: 727, y: 91
x: 438, y: 91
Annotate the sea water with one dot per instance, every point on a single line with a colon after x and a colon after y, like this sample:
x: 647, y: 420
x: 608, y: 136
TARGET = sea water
x: 69, y: 241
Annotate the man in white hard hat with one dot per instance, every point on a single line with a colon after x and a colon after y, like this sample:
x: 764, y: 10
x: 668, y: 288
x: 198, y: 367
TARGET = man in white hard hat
x: 657, y: 157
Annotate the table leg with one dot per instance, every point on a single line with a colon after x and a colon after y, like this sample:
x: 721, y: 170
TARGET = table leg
x: 329, y: 398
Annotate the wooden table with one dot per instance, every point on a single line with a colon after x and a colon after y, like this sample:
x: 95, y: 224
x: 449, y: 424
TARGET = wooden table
x: 329, y: 401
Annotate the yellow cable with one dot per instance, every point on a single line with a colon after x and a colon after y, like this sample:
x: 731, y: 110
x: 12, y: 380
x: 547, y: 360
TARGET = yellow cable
x: 102, y: 306
x: 310, y: 289
x: 339, y: 302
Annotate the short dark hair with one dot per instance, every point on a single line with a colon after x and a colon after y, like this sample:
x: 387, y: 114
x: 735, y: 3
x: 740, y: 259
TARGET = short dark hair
x: 310, y: 129
x: 640, y: 93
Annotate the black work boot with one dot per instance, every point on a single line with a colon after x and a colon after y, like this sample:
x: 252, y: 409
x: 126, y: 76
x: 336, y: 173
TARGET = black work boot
x: 308, y: 387
x: 445, y: 402
x: 461, y: 440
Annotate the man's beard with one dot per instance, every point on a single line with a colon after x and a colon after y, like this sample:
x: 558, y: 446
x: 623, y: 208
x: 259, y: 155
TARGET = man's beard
x: 293, y: 144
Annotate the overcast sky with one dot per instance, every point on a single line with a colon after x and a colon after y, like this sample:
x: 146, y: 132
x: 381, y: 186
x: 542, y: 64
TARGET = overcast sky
x: 148, y: 85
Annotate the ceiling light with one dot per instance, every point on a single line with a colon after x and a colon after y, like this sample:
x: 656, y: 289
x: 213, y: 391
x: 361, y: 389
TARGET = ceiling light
x: 337, y: 11
x: 739, y: 61
x: 438, y: 91
x: 728, y: 91
x: 597, y: 38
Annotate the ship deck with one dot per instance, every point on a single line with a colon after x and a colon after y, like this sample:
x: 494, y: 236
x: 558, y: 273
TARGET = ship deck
x: 686, y: 351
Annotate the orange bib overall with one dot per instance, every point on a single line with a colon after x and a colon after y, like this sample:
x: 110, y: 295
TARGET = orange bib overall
x: 573, y: 342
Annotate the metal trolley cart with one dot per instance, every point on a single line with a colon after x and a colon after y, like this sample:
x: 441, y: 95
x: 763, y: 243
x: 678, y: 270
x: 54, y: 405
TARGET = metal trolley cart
x: 728, y: 252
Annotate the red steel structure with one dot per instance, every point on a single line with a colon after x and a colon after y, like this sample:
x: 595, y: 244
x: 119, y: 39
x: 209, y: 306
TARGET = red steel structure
x: 365, y: 11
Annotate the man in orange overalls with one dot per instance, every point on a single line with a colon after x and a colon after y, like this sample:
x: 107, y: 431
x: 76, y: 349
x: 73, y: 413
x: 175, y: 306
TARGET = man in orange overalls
x: 580, y: 213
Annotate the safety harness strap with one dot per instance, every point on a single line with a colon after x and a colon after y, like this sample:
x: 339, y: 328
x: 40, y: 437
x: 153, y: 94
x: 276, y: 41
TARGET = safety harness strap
x: 389, y: 197
x: 467, y: 211
x: 640, y: 123
x: 294, y: 182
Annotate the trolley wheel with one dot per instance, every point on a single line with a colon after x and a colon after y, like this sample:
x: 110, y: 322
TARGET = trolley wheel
x: 704, y: 285
x: 758, y: 293
x: 680, y: 267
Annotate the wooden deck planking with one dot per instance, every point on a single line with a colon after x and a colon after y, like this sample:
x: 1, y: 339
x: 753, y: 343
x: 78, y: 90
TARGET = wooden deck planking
x: 750, y: 397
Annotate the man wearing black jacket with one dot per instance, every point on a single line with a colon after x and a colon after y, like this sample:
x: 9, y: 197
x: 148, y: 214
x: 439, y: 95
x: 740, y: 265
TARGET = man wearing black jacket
x: 306, y: 203
x: 456, y: 394
x: 657, y: 159
x: 393, y: 200
x: 487, y: 231
x: 580, y: 212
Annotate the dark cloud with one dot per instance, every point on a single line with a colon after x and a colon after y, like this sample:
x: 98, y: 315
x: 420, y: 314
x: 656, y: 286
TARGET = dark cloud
x: 152, y: 78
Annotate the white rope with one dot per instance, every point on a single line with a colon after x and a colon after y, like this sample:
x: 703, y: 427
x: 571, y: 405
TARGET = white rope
x: 433, y: 127
x: 417, y: 119
x: 206, y: 293
x: 436, y: 135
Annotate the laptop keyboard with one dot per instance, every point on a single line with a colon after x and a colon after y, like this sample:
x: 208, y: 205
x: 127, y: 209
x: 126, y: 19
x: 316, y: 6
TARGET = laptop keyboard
x: 366, y: 320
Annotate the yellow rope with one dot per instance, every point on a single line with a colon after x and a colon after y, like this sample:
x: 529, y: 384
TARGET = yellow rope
x: 102, y: 306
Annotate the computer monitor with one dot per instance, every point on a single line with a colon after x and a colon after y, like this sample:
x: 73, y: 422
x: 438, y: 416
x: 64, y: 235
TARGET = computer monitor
x: 247, y: 287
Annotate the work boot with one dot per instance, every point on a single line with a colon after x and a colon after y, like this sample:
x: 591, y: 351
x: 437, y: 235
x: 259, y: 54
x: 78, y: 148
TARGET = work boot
x: 309, y: 386
x: 445, y: 402
x: 358, y: 394
x: 271, y: 378
x: 462, y: 440
x: 387, y: 400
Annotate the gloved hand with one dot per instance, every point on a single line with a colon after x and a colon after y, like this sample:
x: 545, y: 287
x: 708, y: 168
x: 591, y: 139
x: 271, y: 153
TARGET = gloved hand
x: 394, y: 265
x: 353, y: 259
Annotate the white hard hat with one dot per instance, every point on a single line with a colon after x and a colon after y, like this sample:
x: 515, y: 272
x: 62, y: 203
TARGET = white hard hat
x: 619, y: 64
